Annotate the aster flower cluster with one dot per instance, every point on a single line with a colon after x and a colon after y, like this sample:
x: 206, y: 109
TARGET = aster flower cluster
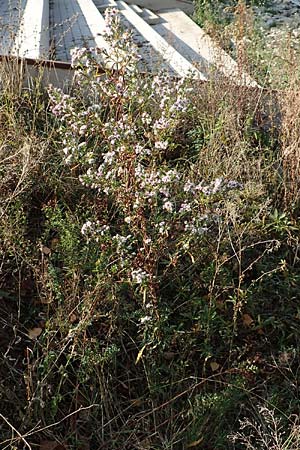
x: 139, y: 276
x: 115, y: 129
x: 219, y: 185
x: 94, y: 230
x: 124, y: 55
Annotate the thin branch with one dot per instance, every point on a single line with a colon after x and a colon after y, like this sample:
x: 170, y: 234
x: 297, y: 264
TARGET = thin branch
x: 16, y: 431
x: 82, y: 408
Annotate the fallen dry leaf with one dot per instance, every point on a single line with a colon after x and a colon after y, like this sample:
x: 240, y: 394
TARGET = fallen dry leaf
x: 73, y: 318
x: 140, y: 353
x: 195, y: 443
x: 214, y: 366
x: 46, y: 250
x: 34, y: 332
x: 136, y: 402
x: 247, y: 320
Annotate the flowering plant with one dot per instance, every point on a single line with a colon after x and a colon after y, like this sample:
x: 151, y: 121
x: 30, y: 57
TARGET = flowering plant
x: 120, y: 134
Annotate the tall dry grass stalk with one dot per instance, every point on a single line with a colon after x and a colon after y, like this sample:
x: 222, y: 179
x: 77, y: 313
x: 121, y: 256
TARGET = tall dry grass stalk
x: 290, y: 141
x: 11, y: 75
x: 244, y: 27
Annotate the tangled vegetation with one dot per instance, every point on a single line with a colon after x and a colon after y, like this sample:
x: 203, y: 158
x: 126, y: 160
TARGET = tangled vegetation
x: 149, y: 284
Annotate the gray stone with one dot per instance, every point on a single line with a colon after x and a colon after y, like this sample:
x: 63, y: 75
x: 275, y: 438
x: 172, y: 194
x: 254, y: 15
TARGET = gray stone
x: 270, y: 23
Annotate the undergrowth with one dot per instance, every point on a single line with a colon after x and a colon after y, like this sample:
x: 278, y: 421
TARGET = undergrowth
x: 233, y: 25
x: 150, y: 273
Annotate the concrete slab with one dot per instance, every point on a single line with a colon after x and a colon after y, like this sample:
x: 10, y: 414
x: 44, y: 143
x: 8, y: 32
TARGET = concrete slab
x: 162, y: 5
x: 173, y: 59
x: 150, y: 17
x: 11, y: 13
x: 137, y: 9
x: 103, y: 4
x: 95, y: 21
x: 198, y: 48
x: 76, y: 23
x: 167, y: 39
x: 32, y: 39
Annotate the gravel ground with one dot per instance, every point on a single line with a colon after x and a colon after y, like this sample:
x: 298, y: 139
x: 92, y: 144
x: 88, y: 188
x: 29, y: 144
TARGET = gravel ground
x: 276, y: 18
x: 279, y: 19
x: 277, y: 25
